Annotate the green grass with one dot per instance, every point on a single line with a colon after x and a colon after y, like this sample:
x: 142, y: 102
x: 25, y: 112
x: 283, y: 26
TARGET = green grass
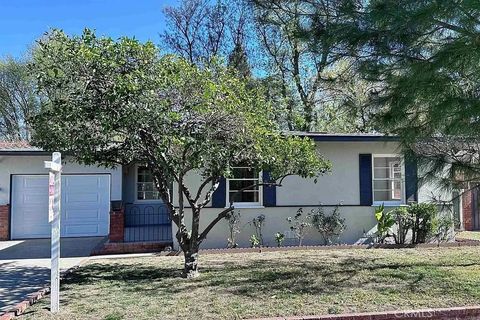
x: 469, y: 235
x: 235, y: 286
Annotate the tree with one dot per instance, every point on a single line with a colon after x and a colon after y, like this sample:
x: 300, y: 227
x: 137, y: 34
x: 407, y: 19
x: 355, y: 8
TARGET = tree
x: 424, y: 56
x: 118, y: 102
x: 201, y: 31
x: 304, y: 40
x: 18, y: 101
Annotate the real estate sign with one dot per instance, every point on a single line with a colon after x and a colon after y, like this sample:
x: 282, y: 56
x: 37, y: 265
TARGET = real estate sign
x: 54, y: 201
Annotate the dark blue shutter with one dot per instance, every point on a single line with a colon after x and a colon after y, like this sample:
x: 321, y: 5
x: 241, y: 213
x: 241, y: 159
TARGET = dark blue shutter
x: 269, y: 192
x: 411, y: 180
x: 219, y: 196
x: 365, y: 166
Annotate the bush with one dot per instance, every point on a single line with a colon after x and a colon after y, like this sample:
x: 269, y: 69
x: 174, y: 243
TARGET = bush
x: 329, y: 226
x: 279, y: 238
x: 423, y: 221
x: 233, y: 219
x: 442, y: 228
x: 404, y: 223
x: 299, y: 224
x: 385, y: 222
x: 258, y: 223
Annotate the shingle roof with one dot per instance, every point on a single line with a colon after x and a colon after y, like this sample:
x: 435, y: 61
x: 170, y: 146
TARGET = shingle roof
x: 20, y: 145
x: 323, y: 136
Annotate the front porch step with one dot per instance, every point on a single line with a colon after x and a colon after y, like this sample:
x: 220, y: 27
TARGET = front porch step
x: 131, y: 247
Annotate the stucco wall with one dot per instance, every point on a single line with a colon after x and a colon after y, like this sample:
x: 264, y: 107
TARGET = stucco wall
x: 358, y: 220
x: 340, y: 185
x: 34, y: 165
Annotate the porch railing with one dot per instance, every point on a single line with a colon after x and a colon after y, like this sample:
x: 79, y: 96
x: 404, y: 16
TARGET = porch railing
x: 147, y: 223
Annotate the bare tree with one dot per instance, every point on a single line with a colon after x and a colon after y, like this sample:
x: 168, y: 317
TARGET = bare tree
x: 199, y: 30
x: 303, y: 40
x: 18, y: 101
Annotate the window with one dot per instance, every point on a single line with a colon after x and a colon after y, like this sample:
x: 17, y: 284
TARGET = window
x: 242, y: 178
x: 146, y: 189
x: 388, y: 184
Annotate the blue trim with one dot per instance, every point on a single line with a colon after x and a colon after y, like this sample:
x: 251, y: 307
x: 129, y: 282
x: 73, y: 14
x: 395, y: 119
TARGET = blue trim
x: 411, y: 180
x: 269, y: 192
x: 219, y: 196
x: 352, y: 138
x: 365, y: 168
x: 23, y: 153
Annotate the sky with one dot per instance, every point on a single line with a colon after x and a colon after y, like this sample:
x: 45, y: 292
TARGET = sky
x: 24, y: 21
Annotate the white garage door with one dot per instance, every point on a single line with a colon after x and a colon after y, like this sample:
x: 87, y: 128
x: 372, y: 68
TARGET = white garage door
x: 85, y: 206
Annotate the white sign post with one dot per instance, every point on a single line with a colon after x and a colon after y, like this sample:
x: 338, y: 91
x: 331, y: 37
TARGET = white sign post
x: 54, y: 200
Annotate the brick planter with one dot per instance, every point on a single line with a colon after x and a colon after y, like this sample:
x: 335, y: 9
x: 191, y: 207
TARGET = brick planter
x: 117, y: 226
x: 465, y: 313
x: 4, y: 222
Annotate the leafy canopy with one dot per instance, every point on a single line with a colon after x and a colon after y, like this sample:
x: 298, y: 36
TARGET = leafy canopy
x: 424, y: 55
x: 114, y: 102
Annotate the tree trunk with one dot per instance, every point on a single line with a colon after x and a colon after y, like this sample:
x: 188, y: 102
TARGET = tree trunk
x: 190, y: 270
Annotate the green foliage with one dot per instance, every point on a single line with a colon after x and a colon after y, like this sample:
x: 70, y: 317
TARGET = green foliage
x: 300, y: 224
x: 18, y: 100
x: 279, y: 238
x: 116, y: 102
x: 255, y: 242
x: 385, y: 222
x: 424, y: 56
x: 302, y: 41
x: 233, y: 219
x: 330, y: 226
x: 423, y: 218
x: 404, y: 223
x: 258, y: 223
x: 443, y: 228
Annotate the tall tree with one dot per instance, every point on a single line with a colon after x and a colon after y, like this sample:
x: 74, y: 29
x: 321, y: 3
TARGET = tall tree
x: 18, y: 100
x: 424, y: 55
x: 304, y: 40
x: 201, y: 30
x: 117, y: 102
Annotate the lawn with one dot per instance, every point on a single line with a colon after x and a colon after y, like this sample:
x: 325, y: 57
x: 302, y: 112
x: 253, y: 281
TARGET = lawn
x: 469, y: 235
x: 235, y: 286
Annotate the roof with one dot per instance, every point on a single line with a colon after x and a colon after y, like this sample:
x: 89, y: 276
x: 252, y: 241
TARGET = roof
x: 18, y: 147
x: 323, y: 136
x: 25, y: 148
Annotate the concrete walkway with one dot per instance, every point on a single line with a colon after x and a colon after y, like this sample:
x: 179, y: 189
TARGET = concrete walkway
x: 25, y: 265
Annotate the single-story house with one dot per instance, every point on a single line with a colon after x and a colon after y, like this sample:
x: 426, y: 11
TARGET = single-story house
x: 122, y: 203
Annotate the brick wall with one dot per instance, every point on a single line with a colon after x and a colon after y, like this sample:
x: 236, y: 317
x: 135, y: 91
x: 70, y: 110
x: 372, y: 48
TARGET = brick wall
x: 467, y: 210
x: 117, y: 224
x: 4, y: 222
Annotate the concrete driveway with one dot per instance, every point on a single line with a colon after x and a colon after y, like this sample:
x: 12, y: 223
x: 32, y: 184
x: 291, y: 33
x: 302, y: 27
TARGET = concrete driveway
x: 25, y: 265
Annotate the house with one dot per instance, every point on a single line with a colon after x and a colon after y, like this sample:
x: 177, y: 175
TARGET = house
x: 122, y: 203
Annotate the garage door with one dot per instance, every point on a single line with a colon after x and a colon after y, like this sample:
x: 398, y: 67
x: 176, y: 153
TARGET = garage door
x: 85, y: 206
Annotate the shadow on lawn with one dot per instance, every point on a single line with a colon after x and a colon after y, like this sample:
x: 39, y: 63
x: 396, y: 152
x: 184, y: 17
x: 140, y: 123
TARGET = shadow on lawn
x: 268, y: 277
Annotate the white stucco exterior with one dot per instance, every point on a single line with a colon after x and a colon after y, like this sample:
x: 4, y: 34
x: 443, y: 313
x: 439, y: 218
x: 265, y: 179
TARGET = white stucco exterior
x: 340, y: 186
x: 34, y: 164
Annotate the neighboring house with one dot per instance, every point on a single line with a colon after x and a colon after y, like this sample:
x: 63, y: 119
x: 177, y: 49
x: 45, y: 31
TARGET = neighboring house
x: 123, y: 204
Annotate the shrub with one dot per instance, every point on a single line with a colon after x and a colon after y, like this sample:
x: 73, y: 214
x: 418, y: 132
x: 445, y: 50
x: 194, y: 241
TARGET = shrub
x: 279, y: 238
x: 442, y: 228
x: 423, y: 217
x: 299, y: 224
x: 258, y: 223
x: 404, y: 223
x: 254, y: 241
x: 233, y: 219
x: 329, y: 226
x: 385, y: 222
